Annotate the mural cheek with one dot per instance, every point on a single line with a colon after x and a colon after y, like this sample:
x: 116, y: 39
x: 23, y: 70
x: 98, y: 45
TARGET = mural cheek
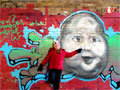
x: 99, y: 49
x: 74, y: 61
x: 69, y: 45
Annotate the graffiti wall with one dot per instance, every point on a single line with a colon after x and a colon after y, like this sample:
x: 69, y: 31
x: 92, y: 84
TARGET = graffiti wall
x: 26, y: 36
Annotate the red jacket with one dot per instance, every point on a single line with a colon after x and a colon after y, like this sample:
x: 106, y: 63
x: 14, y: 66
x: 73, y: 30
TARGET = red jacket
x: 56, y: 59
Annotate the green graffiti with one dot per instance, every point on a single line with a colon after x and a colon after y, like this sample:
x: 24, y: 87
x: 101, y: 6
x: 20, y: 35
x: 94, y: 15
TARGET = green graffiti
x: 17, y: 54
x: 114, y: 47
x: 114, y: 41
x: 10, y: 27
x: 11, y: 18
x: 34, y: 37
x: 37, y: 53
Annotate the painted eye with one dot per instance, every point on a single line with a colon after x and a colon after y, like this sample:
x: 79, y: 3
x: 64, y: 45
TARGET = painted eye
x: 77, y: 38
x: 95, y: 39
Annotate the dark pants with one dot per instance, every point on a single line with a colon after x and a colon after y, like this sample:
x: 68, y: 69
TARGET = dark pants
x: 54, y: 78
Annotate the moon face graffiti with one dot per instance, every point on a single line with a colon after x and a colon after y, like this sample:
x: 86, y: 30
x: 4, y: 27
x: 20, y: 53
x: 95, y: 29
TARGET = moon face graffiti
x: 84, y: 30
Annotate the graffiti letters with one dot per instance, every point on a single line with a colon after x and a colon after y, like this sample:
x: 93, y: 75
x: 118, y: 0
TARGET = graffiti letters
x: 10, y: 27
x: 38, y: 23
x: 114, y: 84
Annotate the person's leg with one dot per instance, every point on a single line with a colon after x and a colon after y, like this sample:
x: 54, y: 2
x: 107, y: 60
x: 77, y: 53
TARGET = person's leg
x: 51, y: 76
x: 57, y: 79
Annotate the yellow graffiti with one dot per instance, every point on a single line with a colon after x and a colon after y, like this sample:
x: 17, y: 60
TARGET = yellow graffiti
x: 38, y: 23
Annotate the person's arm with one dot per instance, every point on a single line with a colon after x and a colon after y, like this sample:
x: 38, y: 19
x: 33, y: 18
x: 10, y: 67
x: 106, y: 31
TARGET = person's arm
x: 44, y: 62
x: 70, y: 54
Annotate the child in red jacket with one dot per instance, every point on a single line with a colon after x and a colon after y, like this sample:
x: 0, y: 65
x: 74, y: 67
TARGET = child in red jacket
x: 55, y: 57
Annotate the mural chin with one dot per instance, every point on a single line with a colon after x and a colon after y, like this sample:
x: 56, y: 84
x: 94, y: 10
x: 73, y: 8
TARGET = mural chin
x: 85, y: 67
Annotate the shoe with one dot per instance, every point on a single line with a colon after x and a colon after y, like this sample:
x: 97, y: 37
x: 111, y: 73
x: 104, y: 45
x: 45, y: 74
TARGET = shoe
x: 51, y: 85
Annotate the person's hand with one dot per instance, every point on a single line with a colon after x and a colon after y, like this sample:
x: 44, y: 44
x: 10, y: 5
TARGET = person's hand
x: 40, y: 68
x: 79, y: 50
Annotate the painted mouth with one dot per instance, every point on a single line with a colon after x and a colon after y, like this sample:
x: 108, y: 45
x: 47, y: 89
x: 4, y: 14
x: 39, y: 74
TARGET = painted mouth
x: 88, y: 59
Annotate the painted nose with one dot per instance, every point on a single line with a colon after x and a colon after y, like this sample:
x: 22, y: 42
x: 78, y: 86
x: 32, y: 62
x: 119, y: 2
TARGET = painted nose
x: 86, y: 45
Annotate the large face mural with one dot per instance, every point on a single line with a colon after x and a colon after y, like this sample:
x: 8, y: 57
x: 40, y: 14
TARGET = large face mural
x: 25, y: 41
x: 84, y: 30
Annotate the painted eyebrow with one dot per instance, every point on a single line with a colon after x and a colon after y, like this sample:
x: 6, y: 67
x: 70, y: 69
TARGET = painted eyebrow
x: 90, y: 21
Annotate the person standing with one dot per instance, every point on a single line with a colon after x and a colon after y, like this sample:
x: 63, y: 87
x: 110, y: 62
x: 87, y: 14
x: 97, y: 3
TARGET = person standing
x: 55, y: 57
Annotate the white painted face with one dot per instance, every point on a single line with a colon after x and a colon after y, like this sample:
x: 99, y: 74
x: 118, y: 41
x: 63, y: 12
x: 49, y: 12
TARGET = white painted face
x: 81, y: 33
